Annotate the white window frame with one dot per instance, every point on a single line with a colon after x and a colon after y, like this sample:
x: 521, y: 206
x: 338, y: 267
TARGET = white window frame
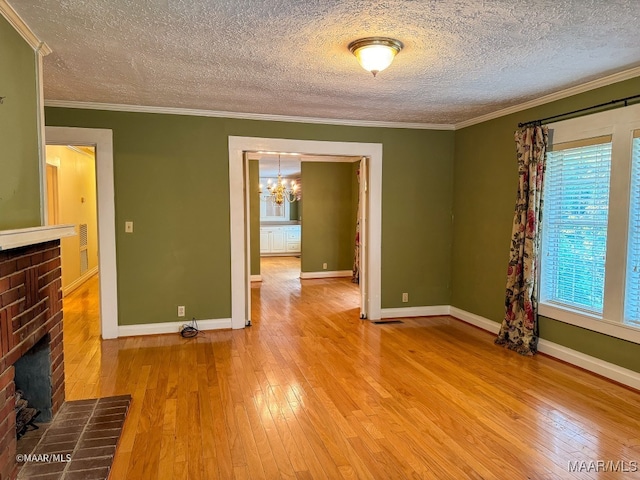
x: 620, y: 124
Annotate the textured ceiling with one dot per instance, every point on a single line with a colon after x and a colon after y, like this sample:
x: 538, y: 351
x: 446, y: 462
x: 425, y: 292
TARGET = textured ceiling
x: 462, y: 58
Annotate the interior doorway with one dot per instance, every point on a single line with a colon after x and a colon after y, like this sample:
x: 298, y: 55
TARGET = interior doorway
x: 304, y: 224
x: 102, y: 141
x: 71, y: 195
x: 240, y: 215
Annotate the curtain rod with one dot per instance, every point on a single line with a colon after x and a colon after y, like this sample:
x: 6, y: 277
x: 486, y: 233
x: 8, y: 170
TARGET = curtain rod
x: 612, y: 102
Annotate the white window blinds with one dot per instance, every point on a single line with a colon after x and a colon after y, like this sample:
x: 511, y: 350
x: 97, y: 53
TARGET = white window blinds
x: 576, y: 207
x: 632, y: 287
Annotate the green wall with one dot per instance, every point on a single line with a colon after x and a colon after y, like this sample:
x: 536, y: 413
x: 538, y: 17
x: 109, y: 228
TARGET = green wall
x: 254, y: 211
x: 171, y: 179
x: 19, y: 146
x: 294, y: 211
x: 484, y: 198
x: 327, y: 212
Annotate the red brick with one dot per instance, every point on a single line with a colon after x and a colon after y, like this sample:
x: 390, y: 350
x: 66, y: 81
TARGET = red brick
x: 57, y: 351
x: 8, y: 443
x: 46, y: 267
x: 7, y: 393
x: 28, y: 316
x: 7, y: 268
x: 57, y: 378
x: 11, y: 296
x: 15, y: 280
x: 5, y: 333
x: 5, y: 428
x: 48, y: 278
x: 11, y: 390
x: 23, y: 262
x: 6, y: 377
x: 37, y: 258
x: 8, y: 465
x: 56, y: 328
x: 16, y: 309
x: 57, y: 357
x: 7, y: 409
x: 56, y: 361
x: 13, y: 355
x: 50, y: 253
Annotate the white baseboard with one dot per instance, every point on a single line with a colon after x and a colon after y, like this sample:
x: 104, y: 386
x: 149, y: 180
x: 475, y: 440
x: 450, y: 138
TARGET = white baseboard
x: 415, y: 311
x: 592, y: 364
x: 256, y: 278
x: 579, y: 359
x: 79, y: 281
x: 326, y: 274
x: 171, y: 327
x: 477, y: 320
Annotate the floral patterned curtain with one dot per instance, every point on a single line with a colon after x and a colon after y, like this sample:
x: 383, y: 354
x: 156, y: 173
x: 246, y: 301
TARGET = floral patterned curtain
x: 356, y: 252
x: 519, y: 329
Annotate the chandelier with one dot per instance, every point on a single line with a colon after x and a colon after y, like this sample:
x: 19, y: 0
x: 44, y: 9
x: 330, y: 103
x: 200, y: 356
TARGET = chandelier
x: 278, y: 192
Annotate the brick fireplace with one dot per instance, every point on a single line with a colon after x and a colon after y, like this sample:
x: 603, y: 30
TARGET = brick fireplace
x: 30, y: 314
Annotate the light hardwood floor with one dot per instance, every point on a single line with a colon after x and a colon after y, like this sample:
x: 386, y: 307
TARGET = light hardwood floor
x: 310, y: 391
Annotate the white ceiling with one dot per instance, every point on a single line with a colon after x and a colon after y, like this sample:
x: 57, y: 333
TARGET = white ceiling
x: 462, y: 58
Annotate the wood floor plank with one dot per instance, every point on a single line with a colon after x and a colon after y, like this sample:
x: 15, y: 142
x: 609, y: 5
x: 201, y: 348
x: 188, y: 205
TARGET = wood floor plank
x: 311, y: 391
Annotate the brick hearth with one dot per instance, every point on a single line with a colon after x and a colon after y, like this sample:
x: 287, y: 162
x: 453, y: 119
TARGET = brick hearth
x: 30, y: 308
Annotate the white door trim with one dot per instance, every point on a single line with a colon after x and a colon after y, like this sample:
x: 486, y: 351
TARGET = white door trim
x: 103, y: 141
x: 239, y: 225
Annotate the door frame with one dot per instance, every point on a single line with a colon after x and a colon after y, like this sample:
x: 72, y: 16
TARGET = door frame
x: 102, y: 140
x: 239, y: 214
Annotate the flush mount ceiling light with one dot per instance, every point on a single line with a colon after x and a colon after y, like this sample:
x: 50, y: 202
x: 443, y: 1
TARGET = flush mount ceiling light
x: 375, y: 53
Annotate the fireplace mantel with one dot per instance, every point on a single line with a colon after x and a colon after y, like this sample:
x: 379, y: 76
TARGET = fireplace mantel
x: 31, y: 236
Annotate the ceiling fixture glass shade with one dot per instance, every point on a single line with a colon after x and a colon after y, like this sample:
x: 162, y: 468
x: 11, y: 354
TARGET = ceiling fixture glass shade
x: 375, y: 53
x: 278, y: 192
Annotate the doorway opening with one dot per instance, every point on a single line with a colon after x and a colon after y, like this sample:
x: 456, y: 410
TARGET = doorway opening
x: 306, y: 242
x: 101, y: 141
x: 71, y: 195
x: 72, y: 199
x: 241, y: 226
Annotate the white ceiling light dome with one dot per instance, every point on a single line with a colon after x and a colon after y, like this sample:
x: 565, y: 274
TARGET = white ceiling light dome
x: 375, y: 53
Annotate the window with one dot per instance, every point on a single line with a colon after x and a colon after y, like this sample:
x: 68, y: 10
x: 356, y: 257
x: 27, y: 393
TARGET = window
x: 632, y: 297
x: 576, y: 204
x: 590, y: 259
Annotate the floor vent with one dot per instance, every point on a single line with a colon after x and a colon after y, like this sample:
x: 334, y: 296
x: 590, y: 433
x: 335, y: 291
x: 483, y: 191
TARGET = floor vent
x: 380, y: 322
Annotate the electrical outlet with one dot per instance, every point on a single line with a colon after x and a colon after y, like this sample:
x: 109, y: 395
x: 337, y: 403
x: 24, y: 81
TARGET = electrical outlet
x: 181, y: 311
x: 324, y: 266
x: 405, y: 297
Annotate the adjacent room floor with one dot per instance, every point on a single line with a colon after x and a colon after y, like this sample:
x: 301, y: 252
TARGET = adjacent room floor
x: 310, y: 391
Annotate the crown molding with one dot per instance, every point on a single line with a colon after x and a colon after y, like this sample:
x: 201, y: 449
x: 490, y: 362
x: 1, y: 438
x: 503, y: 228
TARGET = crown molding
x: 243, y: 116
x: 568, y: 92
x: 585, y: 87
x: 23, y: 29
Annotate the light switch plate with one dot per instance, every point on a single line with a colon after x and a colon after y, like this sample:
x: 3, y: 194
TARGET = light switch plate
x: 128, y: 227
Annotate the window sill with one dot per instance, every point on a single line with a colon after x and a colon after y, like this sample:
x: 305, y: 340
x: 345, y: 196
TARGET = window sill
x: 590, y: 322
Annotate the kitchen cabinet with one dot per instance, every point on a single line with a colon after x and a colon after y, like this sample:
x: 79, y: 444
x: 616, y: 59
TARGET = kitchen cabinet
x: 280, y: 240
